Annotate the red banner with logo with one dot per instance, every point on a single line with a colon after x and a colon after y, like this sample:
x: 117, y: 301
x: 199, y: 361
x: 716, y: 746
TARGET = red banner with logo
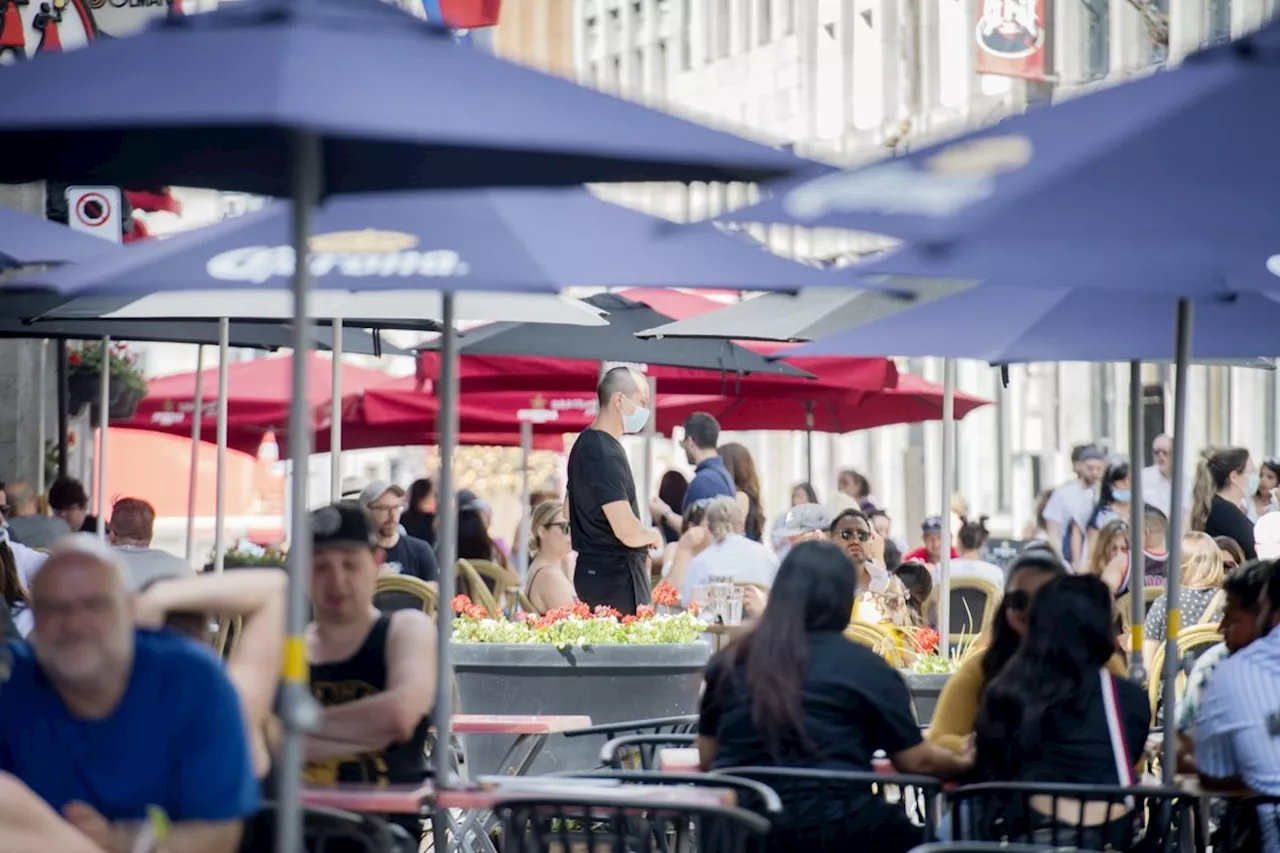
x: 1014, y: 38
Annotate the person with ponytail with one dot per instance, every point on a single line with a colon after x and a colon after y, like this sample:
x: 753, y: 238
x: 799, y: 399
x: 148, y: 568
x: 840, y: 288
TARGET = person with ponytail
x: 1225, y: 477
x: 795, y: 692
x: 548, y: 583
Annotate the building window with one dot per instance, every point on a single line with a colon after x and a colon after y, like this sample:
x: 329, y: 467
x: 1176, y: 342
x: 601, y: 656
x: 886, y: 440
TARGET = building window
x: 868, y: 108
x: 686, y: 36
x: 788, y: 16
x: 660, y: 73
x: 724, y: 29
x: 764, y: 21
x: 1218, y: 21
x: 1097, y: 40
x: 1158, y: 52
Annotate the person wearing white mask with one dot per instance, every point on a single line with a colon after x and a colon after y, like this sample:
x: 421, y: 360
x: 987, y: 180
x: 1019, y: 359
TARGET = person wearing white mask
x: 600, y: 501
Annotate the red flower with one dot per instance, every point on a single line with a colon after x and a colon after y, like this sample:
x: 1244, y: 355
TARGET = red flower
x: 646, y: 611
x: 73, y: 359
x: 580, y: 609
x: 461, y: 603
x: 603, y: 611
x: 666, y: 594
x: 628, y: 619
x: 927, y: 639
x: 694, y: 608
x: 477, y: 611
x: 522, y: 616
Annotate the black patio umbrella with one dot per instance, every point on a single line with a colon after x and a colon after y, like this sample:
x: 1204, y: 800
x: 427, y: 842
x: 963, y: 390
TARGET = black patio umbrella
x: 618, y: 342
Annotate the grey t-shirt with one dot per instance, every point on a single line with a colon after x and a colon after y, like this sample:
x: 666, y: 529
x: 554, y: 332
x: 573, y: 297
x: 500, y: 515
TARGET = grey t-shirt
x: 37, y: 531
x: 146, y: 565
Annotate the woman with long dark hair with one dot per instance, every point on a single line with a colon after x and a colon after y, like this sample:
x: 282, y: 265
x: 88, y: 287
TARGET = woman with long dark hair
x: 1224, y: 478
x: 474, y: 541
x: 1263, y: 499
x: 14, y: 596
x: 419, y: 518
x: 1054, y: 714
x: 1112, y: 505
x: 794, y: 692
x: 742, y: 468
x: 671, y: 489
x: 957, y: 709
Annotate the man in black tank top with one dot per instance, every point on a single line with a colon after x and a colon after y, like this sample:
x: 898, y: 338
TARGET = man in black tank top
x: 374, y: 673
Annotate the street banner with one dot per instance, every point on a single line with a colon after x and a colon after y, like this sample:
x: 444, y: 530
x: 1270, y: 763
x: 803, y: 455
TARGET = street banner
x: 1015, y: 38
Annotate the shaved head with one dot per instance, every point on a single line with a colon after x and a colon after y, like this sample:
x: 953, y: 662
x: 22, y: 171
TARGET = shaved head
x: 617, y: 380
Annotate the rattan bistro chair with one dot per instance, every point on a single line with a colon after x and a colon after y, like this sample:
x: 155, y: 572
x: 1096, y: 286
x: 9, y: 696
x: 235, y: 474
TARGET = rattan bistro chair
x: 405, y: 592
x: 877, y: 639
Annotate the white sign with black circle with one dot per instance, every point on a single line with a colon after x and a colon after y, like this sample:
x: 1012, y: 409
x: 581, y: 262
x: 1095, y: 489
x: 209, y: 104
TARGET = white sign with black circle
x: 96, y: 211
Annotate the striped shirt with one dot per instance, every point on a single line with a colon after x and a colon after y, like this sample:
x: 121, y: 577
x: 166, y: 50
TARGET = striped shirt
x: 1238, y: 730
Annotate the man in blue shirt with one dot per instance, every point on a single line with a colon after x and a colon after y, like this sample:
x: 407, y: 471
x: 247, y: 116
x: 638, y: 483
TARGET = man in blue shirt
x: 107, y: 723
x: 711, y: 478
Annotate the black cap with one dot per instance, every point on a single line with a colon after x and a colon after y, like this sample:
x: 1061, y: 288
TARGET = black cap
x: 344, y: 524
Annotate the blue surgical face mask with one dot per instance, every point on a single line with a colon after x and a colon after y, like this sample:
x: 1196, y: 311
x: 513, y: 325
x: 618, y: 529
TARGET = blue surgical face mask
x: 1253, y: 485
x: 635, y: 421
x: 1121, y: 495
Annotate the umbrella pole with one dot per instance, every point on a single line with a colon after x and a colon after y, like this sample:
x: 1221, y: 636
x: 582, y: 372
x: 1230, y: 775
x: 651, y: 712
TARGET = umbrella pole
x: 220, y: 478
x: 808, y: 443
x: 522, y: 542
x: 447, y: 547
x: 335, y: 416
x: 646, y: 465
x: 104, y: 416
x: 1137, y: 525
x: 197, y: 417
x: 42, y: 425
x: 1173, y: 586
x: 64, y: 403
x: 298, y: 709
x: 948, y: 472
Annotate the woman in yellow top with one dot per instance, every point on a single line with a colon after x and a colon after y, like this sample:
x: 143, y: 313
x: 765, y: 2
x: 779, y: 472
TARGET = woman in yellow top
x: 957, y: 710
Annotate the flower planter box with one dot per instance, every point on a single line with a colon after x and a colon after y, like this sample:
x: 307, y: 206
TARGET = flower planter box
x: 83, y: 389
x: 609, y: 683
x: 925, y: 689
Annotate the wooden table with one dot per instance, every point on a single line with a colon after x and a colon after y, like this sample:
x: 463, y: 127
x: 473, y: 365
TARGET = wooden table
x: 371, y: 799
x: 686, y: 760
x: 723, y: 635
x: 531, y: 733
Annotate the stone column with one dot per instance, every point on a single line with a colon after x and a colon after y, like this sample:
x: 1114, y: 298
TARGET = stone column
x: 20, y: 452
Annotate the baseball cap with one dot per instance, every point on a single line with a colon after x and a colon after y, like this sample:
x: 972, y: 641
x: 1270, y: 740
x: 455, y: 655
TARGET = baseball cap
x: 469, y: 501
x: 344, y: 524
x: 375, y: 489
x: 806, y: 518
x: 1091, y: 454
x: 932, y: 524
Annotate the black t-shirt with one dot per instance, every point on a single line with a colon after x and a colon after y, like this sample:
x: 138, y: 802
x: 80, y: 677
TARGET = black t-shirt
x: 410, y: 556
x: 1073, y: 743
x: 599, y: 474
x: 1227, y: 519
x: 854, y: 704
x: 421, y: 525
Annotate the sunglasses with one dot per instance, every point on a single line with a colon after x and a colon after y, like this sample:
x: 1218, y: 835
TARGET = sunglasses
x: 847, y: 534
x: 1017, y: 600
x: 563, y: 525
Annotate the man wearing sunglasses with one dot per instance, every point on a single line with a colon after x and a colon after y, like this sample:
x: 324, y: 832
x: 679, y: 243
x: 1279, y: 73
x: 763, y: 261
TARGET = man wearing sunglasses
x: 1157, y: 479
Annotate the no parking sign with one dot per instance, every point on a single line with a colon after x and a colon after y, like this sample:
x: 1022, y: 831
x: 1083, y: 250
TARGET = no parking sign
x: 97, y: 211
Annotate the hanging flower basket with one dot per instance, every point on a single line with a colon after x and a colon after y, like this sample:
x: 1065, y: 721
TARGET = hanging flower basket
x: 127, y: 386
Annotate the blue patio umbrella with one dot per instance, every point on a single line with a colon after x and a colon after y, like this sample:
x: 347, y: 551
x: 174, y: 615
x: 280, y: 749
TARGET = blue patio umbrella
x: 1006, y: 325
x: 149, y: 110
x: 310, y: 98
x: 28, y: 240
x: 509, y: 240
x: 1184, y: 155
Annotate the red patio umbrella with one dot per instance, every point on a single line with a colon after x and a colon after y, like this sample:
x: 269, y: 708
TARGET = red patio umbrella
x: 258, y: 397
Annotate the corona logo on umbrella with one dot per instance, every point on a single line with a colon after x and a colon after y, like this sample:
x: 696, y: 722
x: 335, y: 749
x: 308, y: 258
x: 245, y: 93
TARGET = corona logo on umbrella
x: 345, y: 254
x: 951, y: 180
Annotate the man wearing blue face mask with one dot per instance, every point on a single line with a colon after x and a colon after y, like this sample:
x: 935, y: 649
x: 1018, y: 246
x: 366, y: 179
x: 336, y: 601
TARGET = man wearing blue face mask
x: 600, y: 501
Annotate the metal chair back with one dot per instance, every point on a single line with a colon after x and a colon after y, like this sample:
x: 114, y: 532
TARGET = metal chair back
x: 829, y: 810
x: 1092, y: 817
